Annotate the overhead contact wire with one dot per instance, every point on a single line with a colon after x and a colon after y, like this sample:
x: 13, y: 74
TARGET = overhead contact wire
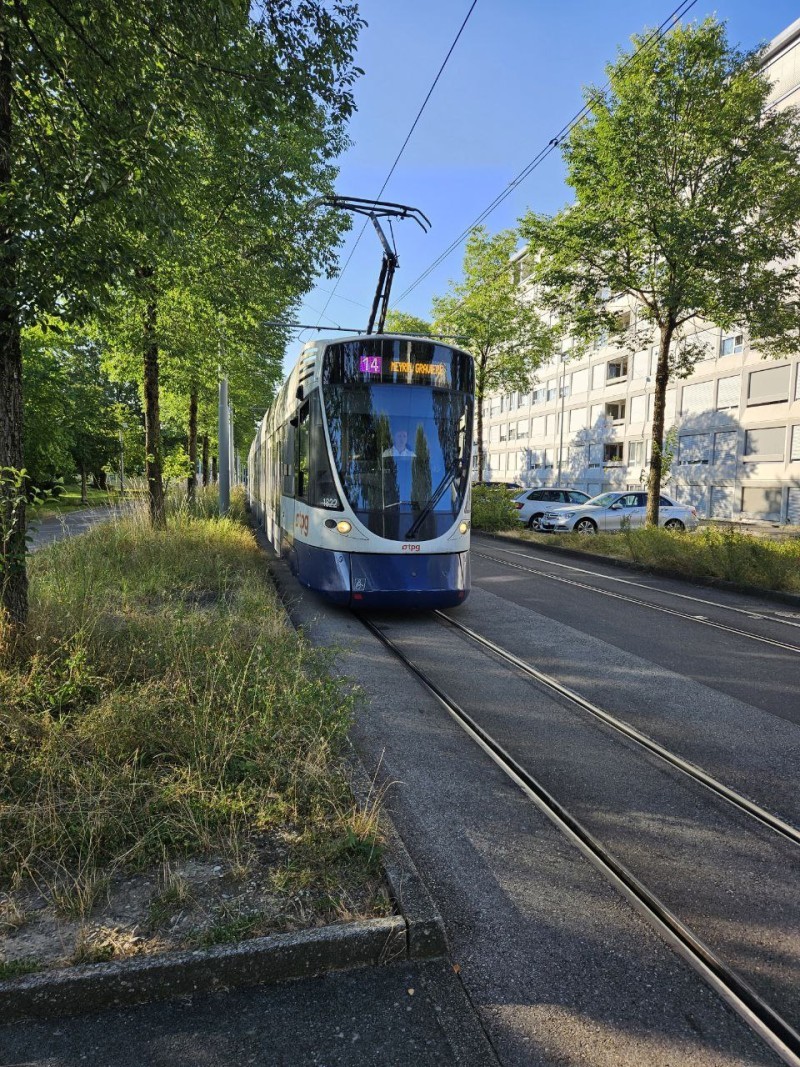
x: 399, y: 154
x: 544, y: 152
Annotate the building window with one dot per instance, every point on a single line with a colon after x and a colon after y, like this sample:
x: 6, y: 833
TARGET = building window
x: 612, y: 454
x: 539, y: 394
x: 762, y: 503
x: 623, y: 320
x: 616, y: 411
x: 728, y: 390
x: 551, y: 390
x: 769, y: 386
x: 768, y: 442
x: 732, y: 343
x: 503, y: 432
x: 616, y: 369
x: 635, y: 453
x: 694, y: 448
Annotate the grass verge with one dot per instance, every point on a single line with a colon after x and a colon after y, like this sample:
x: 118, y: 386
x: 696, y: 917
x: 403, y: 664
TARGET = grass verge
x: 709, y: 553
x: 162, y: 708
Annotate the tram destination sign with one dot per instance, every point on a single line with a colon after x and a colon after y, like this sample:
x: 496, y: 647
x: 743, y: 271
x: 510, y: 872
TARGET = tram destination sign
x: 368, y: 364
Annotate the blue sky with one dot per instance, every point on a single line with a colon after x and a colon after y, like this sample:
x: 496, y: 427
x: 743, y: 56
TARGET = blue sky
x: 513, y: 81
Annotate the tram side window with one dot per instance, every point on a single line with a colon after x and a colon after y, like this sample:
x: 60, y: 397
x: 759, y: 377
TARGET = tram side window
x: 322, y: 490
x: 303, y: 453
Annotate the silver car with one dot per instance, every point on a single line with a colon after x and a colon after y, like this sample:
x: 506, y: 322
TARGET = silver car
x: 610, y: 511
x: 533, y: 503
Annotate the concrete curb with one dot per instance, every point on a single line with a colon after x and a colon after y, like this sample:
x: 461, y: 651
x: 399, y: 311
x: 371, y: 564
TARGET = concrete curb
x: 424, y: 923
x: 643, y: 568
x: 261, y: 960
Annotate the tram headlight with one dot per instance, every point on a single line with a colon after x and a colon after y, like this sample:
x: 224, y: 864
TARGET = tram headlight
x: 344, y: 527
x: 463, y: 527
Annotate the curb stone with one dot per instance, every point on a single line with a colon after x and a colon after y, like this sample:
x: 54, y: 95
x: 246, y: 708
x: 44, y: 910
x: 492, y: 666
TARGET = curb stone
x: 275, y: 958
x: 710, y: 582
x: 424, y: 923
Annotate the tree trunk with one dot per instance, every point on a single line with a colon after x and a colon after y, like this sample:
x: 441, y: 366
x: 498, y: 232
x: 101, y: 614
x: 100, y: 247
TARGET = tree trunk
x: 206, y: 471
x: 84, y: 497
x: 479, y: 433
x: 192, y: 481
x: 659, y: 405
x: 13, y: 575
x: 479, y: 392
x: 214, y: 469
x: 152, y: 414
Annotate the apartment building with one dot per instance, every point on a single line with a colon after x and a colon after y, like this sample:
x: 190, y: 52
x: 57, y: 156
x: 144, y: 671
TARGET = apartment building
x: 733, y: 426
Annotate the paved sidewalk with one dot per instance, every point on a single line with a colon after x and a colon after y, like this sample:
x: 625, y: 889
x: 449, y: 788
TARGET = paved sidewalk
x: 388, y: 1017
x: 66, y: 524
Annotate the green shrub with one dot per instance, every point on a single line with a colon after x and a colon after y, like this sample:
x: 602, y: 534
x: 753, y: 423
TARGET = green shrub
x: 493, y: 508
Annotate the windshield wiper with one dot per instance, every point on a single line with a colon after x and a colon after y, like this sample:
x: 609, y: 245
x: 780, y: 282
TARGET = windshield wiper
x: 438, y: 493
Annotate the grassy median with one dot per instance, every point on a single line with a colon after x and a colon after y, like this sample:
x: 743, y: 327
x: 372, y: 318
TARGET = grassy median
x: 710, y: 553
x: 163, y: 709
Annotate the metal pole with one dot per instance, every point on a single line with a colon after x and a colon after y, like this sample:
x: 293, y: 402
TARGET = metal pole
x: 224, y: 450
x: 561, y: 419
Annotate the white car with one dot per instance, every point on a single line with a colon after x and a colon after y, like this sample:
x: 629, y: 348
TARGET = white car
x: 533, y: 503
x: 610, y: 511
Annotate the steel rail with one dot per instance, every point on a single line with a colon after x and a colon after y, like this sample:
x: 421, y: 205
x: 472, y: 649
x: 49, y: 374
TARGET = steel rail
x: 643, y: 603
x: 773, y: 1029
x: 775, y: 617
x: 773, y: 822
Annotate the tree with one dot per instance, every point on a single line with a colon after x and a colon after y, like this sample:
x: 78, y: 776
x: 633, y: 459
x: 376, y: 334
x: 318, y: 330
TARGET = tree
x: 503, y: 331
x: 102, y: 106
x: 400, y: 322
x: 687, y: 210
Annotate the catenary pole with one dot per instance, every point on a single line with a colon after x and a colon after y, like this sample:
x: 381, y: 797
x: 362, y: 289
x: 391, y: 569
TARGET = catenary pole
x: 224, y: 464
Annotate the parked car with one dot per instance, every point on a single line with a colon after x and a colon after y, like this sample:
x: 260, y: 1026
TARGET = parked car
x: 609, y: 511
x: 533, y: 503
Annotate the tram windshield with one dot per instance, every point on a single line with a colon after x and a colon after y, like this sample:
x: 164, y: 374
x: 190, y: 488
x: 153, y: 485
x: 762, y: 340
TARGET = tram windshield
x: 399, y: 416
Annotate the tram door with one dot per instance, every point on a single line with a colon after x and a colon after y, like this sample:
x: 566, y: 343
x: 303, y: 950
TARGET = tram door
x: 287, y: 486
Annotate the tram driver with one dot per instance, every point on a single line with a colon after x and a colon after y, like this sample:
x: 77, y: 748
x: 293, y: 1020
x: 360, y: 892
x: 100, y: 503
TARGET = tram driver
x: 400, y: 444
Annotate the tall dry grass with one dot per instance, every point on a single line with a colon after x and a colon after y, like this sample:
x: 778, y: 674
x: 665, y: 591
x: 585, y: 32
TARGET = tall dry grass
x: 162, y: 706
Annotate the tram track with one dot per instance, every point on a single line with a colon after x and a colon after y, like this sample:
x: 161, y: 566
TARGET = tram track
x: 639, y: 602
x: 771, y: 1026
x: 777, y: 618
x: 742, y: 803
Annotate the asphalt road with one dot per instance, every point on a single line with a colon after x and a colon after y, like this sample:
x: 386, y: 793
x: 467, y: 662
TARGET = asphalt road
x: 67, y: 524
x: 559, y: 966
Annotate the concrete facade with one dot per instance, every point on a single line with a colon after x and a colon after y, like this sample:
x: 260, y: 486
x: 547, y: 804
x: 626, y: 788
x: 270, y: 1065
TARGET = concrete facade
x: 734, y: 423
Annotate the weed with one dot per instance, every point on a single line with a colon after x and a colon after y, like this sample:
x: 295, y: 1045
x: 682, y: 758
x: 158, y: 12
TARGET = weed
x: 12, y: 915
x: 229, y: 929
x: 174, y: 893
x: 18, y: 968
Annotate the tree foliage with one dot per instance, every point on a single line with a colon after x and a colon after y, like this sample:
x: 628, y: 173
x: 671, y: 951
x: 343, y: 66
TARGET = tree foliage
x: 687, y: 207
x: 401, y: 322
x: 149, y: 148
x: 502, y: 330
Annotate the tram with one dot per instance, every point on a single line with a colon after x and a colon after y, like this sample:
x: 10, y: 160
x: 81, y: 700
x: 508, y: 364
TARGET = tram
x: 360, y: 471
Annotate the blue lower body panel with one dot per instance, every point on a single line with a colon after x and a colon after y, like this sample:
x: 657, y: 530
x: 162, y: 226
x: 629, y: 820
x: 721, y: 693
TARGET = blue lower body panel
x: 369, y: 580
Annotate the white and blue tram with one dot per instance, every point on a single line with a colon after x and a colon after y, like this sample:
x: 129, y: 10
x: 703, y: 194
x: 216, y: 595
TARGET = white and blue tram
x: 360, y: 471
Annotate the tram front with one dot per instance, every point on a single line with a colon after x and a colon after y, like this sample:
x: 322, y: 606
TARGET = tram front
x: 399, y: 414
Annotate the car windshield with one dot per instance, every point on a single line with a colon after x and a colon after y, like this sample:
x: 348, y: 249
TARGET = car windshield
x: 605, y: 500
